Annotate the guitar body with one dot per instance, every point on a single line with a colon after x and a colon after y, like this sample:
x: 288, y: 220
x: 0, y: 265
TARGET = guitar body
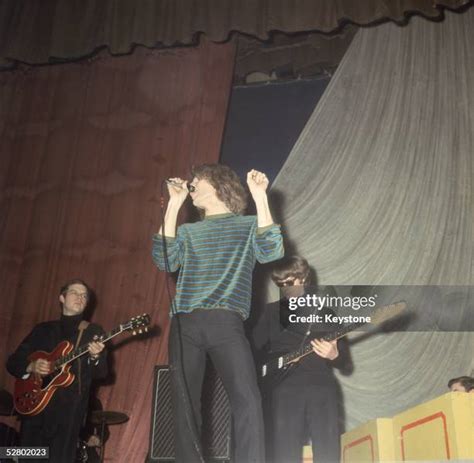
x: 31, y: 395
x: 273, y: 372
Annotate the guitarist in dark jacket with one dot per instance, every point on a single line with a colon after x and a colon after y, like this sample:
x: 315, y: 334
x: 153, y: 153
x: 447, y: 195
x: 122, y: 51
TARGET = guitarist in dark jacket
x: 58, y: 425
x: 303, y: 401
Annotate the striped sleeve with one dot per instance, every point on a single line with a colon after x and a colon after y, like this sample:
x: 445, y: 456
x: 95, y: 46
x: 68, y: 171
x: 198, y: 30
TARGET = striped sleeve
x: 268, y: 244
x: 174, y: 251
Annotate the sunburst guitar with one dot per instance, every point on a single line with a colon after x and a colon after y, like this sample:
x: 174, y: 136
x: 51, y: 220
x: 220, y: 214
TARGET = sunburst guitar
x: 32, y: 395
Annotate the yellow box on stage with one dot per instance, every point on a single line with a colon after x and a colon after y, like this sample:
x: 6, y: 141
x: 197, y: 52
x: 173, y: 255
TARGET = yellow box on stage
x: 307, y: 454
x: 439, y: 430
x: 372, y: 441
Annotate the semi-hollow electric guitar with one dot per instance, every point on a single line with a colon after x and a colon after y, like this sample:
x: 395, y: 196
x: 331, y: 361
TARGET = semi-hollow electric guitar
x: 277, y: 366
x: 32, y: 395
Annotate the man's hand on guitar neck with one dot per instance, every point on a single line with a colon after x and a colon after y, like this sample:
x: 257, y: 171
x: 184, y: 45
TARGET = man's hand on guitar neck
x: 39, y: 367
x: 325, y: 349
x: 95, y: 348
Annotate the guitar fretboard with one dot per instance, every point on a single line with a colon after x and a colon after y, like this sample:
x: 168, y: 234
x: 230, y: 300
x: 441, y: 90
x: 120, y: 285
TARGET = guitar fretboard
x: 377, y: 317
x: 307, y: 347
x: 81, y: 350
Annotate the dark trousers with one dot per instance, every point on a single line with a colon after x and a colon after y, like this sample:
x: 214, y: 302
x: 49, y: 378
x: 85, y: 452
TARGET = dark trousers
x: 300, y: 411
x: 62, y: 443
x: 220, y: 334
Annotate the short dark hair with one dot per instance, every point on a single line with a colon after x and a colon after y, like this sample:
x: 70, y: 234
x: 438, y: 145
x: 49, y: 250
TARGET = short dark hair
x: 465, y: 381
x: 75, y: 281
x: 292, y: 267
x: 229, y: 188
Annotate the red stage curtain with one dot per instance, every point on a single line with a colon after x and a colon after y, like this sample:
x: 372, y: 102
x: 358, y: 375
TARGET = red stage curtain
x: 84, y: 148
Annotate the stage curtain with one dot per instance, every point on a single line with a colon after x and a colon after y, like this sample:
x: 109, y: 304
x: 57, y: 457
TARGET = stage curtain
x: 37, y: 32
x: 379, y: 190
x: 84, y: 149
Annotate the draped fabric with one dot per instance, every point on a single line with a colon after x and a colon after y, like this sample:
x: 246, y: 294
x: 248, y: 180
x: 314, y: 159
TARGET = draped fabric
x: 37, y: 32
x: 379, y: 190
x: 84, y: 149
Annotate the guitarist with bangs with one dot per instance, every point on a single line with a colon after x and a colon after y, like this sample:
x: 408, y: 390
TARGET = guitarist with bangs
x: 58, y: 425
x: 304, y: 401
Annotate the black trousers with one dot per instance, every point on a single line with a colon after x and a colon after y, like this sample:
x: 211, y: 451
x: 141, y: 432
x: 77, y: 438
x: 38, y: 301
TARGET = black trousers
x: 220, y: 334
x: 302, y: 409
x: 61, y: 441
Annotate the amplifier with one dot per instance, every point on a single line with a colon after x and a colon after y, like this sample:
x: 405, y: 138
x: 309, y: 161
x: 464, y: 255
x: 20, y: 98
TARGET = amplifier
x: 216, y: 418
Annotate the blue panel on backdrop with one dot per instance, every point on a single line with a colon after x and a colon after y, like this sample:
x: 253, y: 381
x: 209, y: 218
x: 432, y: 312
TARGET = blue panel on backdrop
x: 265, y: 121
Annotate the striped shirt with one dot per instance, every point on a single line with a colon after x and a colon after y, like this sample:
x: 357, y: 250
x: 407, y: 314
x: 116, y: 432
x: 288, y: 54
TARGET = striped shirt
x: 215, y: 258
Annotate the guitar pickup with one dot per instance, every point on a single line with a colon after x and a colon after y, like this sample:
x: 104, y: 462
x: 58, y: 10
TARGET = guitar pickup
x: 264, y: 371
x: 280, y: 362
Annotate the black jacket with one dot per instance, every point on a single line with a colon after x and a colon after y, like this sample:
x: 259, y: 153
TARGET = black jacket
x: 65, y: 413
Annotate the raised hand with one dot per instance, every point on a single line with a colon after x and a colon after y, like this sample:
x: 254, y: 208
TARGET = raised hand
x: 178, y: 189
x: 257, y: 183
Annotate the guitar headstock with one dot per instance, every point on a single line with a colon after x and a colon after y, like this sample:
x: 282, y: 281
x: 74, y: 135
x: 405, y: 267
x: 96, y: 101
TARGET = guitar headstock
x: 138, y: 324
x: 387, y: 312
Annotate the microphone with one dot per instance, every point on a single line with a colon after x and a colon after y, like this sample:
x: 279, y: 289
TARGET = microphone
x: 190, y: 188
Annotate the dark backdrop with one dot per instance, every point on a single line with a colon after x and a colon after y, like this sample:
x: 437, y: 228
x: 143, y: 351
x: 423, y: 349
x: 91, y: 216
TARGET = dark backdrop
x: 264, y: 122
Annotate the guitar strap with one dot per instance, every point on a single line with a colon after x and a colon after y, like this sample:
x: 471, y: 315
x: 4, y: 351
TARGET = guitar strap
x: 82, y: 327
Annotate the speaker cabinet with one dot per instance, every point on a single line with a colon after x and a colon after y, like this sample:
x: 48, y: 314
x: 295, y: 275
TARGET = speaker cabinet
x: 216, y: 418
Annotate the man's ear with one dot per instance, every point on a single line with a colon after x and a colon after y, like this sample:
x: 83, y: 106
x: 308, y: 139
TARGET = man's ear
x: 61, y: 299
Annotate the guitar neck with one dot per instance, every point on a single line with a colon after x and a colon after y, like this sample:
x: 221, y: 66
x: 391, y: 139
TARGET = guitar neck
x: 81, y: 350
x: 307, y: 348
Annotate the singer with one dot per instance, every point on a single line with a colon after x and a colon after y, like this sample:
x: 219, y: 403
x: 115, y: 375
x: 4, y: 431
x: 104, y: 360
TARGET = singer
x: 215, y: 258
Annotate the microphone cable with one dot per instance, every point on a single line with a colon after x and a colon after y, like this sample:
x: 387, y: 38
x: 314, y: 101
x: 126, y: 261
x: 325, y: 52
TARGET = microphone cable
x: 179, y: 375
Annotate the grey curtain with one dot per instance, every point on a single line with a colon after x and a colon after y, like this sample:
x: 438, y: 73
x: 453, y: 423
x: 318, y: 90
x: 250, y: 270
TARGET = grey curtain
x: 379, y: 190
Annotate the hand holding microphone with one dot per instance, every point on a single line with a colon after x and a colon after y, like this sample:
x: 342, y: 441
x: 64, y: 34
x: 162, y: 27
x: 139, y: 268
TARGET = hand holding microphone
x: 177, y: 182
x: 178, y: 190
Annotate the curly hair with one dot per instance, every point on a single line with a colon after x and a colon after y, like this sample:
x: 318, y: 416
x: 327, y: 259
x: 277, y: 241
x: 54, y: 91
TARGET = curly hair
x: 229, y: 188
